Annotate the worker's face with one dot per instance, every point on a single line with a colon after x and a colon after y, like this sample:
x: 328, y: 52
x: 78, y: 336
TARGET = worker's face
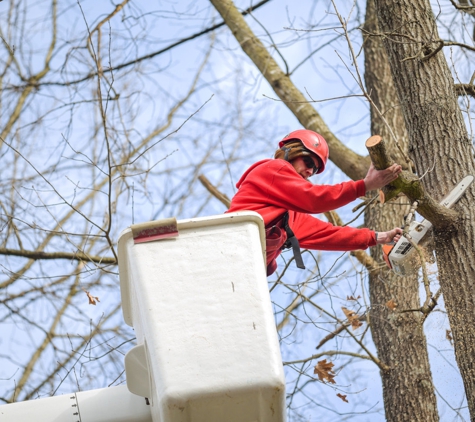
x: 306, y: 165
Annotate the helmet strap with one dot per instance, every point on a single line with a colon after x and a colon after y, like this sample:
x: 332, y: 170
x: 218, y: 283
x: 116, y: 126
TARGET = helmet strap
x: 286, y: 150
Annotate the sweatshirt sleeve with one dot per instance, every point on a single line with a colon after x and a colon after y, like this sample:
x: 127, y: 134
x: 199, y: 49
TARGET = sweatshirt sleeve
x: 282, y: 186
x: 313, y: 233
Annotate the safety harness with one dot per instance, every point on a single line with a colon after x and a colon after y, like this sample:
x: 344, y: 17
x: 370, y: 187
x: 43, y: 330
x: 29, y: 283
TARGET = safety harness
x: 292, y: 241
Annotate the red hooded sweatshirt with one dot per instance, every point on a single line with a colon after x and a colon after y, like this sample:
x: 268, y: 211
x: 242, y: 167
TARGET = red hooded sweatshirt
x: 272, y: 187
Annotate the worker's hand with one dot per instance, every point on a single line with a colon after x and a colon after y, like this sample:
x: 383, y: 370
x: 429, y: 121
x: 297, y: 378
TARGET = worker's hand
x: 388, y: 237
x: 376, y: 179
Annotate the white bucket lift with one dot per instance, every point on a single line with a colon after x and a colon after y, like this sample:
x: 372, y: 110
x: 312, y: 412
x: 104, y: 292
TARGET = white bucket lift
x: 197, y: 297
x: 196, y: 293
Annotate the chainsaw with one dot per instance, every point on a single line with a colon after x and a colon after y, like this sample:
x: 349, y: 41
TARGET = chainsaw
x: 402, y: 257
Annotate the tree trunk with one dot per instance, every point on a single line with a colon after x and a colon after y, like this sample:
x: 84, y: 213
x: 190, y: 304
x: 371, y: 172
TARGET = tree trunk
x: 442, y: 152
x: 408, y: 390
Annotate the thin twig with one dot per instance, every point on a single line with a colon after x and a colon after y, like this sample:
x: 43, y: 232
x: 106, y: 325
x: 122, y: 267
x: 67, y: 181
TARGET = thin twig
x: 328, y: 353
x: 381, y: 365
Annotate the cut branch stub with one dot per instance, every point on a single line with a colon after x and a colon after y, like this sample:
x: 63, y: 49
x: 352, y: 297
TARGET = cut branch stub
x: 410, y: 185
x: 381, y: 160
x: 378, y: 153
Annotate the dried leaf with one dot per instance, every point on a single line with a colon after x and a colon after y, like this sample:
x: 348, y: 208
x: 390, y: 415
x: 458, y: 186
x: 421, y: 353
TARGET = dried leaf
x: 324, y: 371
x: 92, y: 299
x: 391, y: 304
x: 352, y: 297
x: 343, y: 397
x: 353, y: 318
x: 448, y: 336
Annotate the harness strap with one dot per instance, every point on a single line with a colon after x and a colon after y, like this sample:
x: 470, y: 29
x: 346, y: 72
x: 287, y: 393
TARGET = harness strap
x: 292, y: 242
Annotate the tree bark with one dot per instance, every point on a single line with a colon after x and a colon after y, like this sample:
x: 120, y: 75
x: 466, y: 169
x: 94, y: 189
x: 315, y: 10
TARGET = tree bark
x: 408, y: 390
x: 441, y: 150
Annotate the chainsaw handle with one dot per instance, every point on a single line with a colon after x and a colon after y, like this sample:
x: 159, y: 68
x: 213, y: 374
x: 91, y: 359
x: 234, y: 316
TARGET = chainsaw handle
x: 384, y: 238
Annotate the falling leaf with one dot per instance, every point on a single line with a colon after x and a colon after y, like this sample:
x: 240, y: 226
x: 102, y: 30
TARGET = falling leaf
x: 352, y: 298
x: 391, y: 304
x: 324, y: 371
x: 353, y: 318
x: 343, y: 397
x: 92, y: 299
x: 448, y: 336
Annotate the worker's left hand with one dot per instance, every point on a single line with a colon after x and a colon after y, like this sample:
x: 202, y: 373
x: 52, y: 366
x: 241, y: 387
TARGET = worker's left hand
x: 388, y: 237
x: 376, y: 179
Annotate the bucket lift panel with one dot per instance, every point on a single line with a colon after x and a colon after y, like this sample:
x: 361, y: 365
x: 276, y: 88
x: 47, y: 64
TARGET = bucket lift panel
x: 198, y: 300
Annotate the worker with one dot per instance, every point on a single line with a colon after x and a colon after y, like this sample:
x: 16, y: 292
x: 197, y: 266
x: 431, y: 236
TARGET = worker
x: 279, y: 190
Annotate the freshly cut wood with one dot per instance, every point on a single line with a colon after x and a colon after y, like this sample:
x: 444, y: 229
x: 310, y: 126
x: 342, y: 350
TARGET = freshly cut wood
x: 378, y: 152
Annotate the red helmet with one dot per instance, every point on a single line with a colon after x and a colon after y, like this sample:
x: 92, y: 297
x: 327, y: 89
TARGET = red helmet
x: 312, y: 141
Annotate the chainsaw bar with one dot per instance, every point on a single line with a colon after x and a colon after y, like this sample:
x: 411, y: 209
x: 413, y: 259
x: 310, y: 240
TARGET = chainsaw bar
x: 402, y: 257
